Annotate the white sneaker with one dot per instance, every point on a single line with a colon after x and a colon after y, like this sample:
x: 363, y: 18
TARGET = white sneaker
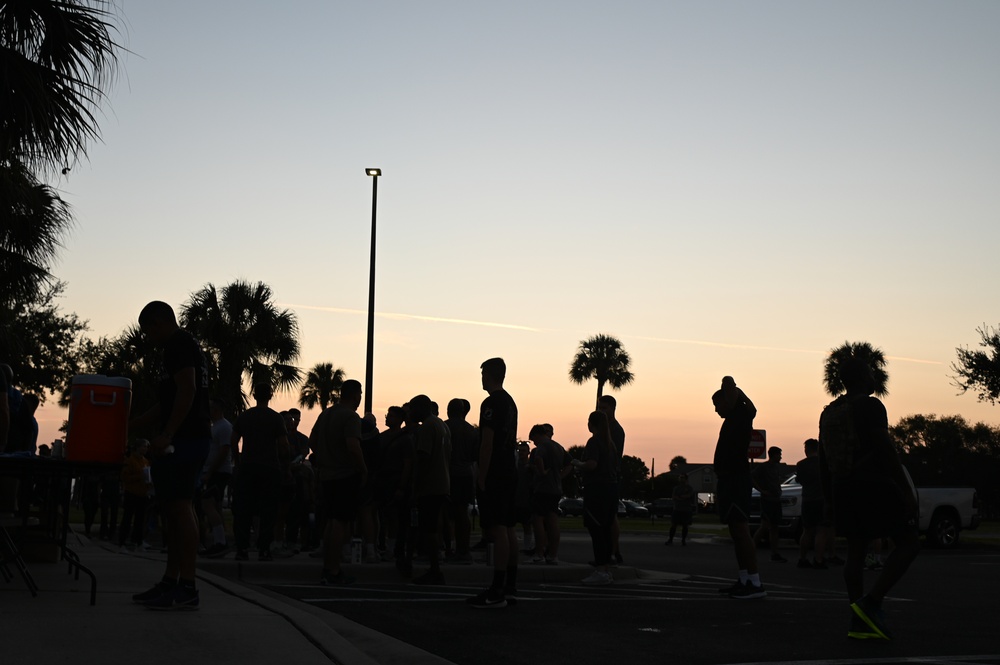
x: 598, y: 578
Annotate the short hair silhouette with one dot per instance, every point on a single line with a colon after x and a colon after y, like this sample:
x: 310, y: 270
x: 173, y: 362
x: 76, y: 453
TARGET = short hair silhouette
x: 157, y: 312
x: 496, y: 368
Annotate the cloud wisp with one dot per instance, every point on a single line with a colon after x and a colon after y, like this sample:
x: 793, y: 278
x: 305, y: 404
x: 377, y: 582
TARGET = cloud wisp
x: 413, y: 317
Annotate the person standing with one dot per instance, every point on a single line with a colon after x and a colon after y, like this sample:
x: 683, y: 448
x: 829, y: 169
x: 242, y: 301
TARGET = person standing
x: 815, y: 530
x: 734, y: 488
x: 552, y: 464
x: 869, y: 493
x: 767, y: 480
x: 179, y: 449
x: 608, y: 405
x: 496, y: 483
x: 685, y: 500
x: 600, y: 494
x: 136, y: 485
x: 431, y: 483
x: 464, y: 450
x: 258, y: 472
x: 216, y: 475
x: 340, y: 467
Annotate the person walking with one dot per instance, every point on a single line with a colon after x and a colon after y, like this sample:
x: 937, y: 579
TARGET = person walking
x: 685, y: 501
x: 869, y: 493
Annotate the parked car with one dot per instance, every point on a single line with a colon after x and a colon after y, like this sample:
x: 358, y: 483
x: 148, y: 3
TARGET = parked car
x: 944, y: 511
x: 635, y: 509
x: 661, y: 507
x: 622, y: 510
x: 571, y: 507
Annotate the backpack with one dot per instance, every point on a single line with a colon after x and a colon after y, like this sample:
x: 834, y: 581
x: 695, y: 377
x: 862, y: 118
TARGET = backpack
x: 838, y: 437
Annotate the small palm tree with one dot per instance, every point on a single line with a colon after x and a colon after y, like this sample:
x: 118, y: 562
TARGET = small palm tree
x: 848, y: 350
x: 601, y: 357
x: 322, y: 386
x: 247, y: 337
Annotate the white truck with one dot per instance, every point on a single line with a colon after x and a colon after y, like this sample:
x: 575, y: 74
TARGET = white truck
x: 944, y: 511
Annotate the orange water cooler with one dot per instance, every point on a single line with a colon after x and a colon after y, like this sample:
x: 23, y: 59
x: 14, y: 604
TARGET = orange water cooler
x: 98, y: 418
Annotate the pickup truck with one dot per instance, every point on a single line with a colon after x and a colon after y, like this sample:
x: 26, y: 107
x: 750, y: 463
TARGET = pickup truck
x: 944, y: 512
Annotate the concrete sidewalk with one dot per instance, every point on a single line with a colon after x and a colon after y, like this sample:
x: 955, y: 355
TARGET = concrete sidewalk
x: 237, y: 621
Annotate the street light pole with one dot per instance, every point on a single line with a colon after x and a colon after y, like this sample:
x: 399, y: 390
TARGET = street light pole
x: 374, y: 173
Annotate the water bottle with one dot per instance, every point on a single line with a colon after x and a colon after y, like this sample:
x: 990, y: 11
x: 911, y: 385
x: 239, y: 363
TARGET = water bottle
x: 355, y: 550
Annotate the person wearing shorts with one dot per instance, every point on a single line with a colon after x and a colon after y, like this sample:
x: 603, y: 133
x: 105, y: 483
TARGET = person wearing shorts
x: 734, y: 485
x: 340, y: 466
x: 497, y: 483
x: 178, y: 451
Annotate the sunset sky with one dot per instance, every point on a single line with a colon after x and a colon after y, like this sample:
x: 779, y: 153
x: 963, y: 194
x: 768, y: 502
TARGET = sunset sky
x: 727, y: 187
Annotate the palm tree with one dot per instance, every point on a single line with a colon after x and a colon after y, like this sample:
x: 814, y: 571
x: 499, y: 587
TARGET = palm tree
x: 59, y: 58
x: 322, y: 386
x: 32, y: 220
x: 848, y: 350
x: 247, y: 337
x: 601, y: 357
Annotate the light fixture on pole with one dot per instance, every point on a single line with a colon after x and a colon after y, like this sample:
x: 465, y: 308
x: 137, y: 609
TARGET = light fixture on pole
x: 374, y: 173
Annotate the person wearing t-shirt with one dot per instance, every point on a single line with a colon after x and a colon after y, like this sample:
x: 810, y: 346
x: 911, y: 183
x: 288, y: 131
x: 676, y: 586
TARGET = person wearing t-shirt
x: 340, y: 467
x: 431, y: 482
x: 259, y: 470
x: 552, y: 464
x: 608, y: 405
x: 868, y: 492
x: 178, y: 450
x: 600, y: 494
x: 496, y: 483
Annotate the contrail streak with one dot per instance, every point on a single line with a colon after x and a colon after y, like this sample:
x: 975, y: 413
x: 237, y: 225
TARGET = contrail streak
x: 413, y: 317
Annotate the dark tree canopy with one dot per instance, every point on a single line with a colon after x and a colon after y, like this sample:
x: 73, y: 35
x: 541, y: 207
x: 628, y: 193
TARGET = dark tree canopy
x: 321, y: 386
x: 979, y: 370
x: 634, y: 476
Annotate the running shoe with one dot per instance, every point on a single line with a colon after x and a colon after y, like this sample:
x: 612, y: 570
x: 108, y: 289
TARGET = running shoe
x: 731, y: 588
x: 749, y: 591
x: 242, y: 555
x: 176, y: 598
x: 859, y: 630
x: 265, y: 555
x: 340, y: 579
x: 873, y: 616
x: 777, y: 558
x: 156, y: 591
x: 489, y: 599
x: 598, y: 578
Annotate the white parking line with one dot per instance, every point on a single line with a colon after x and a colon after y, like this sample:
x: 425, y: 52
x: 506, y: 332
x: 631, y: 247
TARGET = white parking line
x: 928, y: 660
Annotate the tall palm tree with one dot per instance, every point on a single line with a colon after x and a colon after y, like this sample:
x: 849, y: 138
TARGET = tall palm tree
x: 601, y: 357
x: 247, y: 337
x: 321, y: 386
x: 59, y: 58
x: 846, y: 351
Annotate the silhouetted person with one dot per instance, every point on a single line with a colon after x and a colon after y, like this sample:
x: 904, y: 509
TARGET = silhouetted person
x: 430, y: 482
x: 816, y: 530
x: 600, y: 494
x: 735, y: 487
x: 181, y: 416
x: 608, y: 405
x: 869, y: 493
x: 340, y: 467
x: 217, y: 475
x: 259, y: 466
x: 464, y: 450
x: 685, y: 501
x: 497, y: 483
x: 767, y: 480
x: 552, y: 464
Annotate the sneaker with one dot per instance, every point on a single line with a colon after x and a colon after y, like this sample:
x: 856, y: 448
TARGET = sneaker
x: 176, y: 598
x: 749, y: 591
x: 123, y: 550
x: 552, y: 561
x: 430, y: 578
x: 859, y: 630
x: 538, y: 558
x: 265, y: 555
x: 242, y: 555
x: 835, y: 560
x: 340, y: 579
x: 819, y: 565
x: 777, y: 558
x: 598, y: 578
x: 216, y: 551
x: 728, y: 590
x: 873, y: 616
x: 487, y: 600
x: 158, y: 590
x: 804, y: 563
x: 618, y: 559
x: 461, y: 559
